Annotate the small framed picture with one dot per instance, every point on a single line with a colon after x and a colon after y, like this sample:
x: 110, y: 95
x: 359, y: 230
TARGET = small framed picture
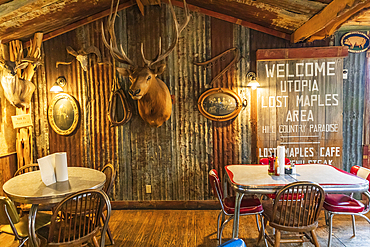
x: 219, y: 104
x: 64, y: 114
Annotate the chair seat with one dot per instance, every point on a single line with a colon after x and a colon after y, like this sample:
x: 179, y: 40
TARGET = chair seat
x: 342, y: 203
x: 248, y: 205
x: 42, y: 220
x: 233, y: 243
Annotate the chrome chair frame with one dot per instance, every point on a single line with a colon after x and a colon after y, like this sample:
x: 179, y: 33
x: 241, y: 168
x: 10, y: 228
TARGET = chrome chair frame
x: 21, y: 240
x: 330, y: 214
x: 221, y: 222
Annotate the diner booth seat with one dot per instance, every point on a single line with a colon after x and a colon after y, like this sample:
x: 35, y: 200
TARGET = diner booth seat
x: 250, y: 205
x: 346, y: 204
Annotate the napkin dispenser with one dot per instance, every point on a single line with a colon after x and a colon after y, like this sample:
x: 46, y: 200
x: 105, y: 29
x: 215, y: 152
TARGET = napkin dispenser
x: 53, y: 168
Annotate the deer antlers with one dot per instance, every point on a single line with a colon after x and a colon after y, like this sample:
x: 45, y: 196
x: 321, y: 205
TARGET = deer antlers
x: 121, y: 56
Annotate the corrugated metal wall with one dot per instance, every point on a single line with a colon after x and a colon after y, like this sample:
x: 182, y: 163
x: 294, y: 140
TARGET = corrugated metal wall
x: 353, y: 107
x: 176, y: 157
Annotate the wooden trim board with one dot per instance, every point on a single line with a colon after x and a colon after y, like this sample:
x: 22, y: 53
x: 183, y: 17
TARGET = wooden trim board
x: 208, y: 204
x: 302, y: 53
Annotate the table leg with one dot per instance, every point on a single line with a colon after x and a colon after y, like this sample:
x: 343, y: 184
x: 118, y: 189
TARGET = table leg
x: 33, y: 241
x: 238, y: 199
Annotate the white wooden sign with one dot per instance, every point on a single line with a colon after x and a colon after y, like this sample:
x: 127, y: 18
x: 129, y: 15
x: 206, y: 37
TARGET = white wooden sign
x: 300, y: 106
x: 21, y: 121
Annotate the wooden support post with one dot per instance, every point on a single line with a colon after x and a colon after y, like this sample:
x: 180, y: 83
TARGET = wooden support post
x: 24, y: 146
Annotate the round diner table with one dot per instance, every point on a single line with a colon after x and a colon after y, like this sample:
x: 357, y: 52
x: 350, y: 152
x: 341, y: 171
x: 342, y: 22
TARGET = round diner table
x: 28, y: 188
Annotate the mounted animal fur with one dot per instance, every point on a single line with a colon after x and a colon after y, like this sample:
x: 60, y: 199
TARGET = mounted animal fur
x: 18, y: 88
x: 152, y: 94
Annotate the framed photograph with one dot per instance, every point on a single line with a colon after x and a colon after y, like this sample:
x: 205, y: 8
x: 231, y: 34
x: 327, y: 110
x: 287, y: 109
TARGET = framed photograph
x: 64, y: 114
x: 219, y: 104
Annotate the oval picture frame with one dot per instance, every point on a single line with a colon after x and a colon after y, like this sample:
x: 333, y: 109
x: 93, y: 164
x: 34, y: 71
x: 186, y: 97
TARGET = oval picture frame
x: 64, y: 114
x: 355, y: 41
x: 219, y: 104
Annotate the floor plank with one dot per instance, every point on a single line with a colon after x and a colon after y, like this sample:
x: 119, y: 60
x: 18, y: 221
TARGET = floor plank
x: 197, y: 228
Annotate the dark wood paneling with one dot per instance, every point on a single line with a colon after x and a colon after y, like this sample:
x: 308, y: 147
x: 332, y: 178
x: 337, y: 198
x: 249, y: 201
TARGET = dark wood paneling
x: 207, y: 204
x: 302, y: 53
x: 8, y: 166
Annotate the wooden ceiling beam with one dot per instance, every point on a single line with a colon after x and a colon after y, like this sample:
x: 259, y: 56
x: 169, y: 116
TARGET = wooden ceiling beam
x: 81, y: 23
x: 231, y: 19
x: 328, y: 20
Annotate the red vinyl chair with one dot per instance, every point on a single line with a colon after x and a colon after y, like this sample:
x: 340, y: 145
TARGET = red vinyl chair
x: 249, y: 206
x: 347, y: 205
x: 265, y: 161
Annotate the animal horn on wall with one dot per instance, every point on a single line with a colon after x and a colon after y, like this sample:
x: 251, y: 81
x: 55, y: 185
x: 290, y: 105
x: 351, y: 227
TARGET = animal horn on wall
x: 71, y: 51
x: 120, y: 55
x: 177, y: 31
x: 82, y: 56
x: 93, y: 49
x: 152, y: 94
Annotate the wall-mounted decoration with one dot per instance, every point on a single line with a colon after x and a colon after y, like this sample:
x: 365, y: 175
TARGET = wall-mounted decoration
x: 17, y: 70
x: 119, y: 109
x: 64, y: 114
x: 356, y: 41
x: 152, y: 94
x: 81, y: 56
x: 219, y: 104
x: 215, y: 60
x: 300, y: 103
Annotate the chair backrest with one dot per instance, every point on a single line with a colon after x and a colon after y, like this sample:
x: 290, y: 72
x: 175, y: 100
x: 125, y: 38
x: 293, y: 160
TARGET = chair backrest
x: 216, y: 185
x: 27, y: 168
x: 77, y: 218
x: 110, y: 174
x: 8, y: 212
x: 290, y: 212
x: 361, y: 172
x: 265, y: 161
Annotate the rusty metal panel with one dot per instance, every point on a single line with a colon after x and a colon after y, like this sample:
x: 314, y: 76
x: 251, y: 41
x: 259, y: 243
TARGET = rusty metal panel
x: 242, y: 41
x: 92, y: 144
x: 174, y: 158
x: 353, y: 107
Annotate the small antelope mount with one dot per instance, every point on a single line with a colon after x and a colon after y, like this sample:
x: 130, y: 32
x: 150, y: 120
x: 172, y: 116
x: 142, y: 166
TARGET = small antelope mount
x: 16, y: 72
x: 152, y: 94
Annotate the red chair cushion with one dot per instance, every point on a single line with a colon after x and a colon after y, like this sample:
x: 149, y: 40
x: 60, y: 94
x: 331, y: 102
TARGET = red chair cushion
x: 342, y: 203
x: 248, y: 205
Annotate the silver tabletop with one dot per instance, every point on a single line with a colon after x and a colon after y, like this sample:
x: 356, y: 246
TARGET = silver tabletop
x: 29, y: 188
x: 255, y: 179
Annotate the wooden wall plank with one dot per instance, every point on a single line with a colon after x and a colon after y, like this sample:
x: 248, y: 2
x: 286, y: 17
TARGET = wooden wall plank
x: 8, y: 166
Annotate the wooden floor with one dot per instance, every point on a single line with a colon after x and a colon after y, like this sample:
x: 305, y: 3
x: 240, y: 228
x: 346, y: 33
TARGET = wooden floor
x: 159, y: 228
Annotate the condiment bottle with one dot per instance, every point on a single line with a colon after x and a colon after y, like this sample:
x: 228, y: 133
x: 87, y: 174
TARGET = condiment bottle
x: 271, y: 170
x: 277, y: 168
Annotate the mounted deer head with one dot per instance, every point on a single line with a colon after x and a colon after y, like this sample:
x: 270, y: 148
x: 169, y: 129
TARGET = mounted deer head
x: 152, y: 94
x: 18, y: 91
